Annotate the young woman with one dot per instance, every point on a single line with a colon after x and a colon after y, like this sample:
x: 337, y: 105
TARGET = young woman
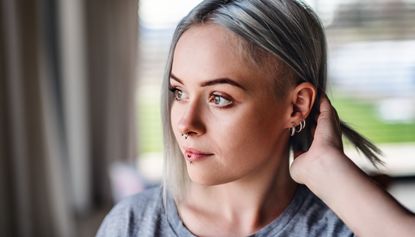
x: 244, y: 86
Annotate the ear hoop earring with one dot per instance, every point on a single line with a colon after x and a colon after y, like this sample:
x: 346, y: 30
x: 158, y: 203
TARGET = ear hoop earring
x: 185, y: 135
x: 300, y: 127
x: 292, y: 130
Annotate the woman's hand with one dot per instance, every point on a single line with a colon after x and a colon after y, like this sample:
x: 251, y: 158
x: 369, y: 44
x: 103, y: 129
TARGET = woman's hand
x: 326, y: 151
x: 336, y: 180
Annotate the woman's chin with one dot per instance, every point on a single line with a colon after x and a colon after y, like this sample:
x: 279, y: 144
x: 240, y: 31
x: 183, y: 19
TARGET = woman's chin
x: 208, y: 178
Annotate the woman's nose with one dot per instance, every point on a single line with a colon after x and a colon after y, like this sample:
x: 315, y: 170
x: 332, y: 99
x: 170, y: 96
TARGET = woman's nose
x: 191, y: 122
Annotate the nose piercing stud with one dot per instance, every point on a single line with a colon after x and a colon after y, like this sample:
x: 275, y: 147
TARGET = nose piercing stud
x: 186, y: 135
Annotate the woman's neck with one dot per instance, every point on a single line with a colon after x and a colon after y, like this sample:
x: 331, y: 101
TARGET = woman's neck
x: 241, y: 207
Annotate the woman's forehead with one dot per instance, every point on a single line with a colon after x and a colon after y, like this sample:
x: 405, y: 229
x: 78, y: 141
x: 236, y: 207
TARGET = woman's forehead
x: 211, y: 50
x: 212, y: 39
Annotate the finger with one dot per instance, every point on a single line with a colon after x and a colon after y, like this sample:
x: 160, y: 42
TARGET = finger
x: 325, y: 108
x: 329, y: 111
x: 335, y: 117
x: 334, y: 111
x: 328, y: 123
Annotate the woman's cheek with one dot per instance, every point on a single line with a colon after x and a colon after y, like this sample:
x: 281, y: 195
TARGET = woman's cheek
x: 174, y: 119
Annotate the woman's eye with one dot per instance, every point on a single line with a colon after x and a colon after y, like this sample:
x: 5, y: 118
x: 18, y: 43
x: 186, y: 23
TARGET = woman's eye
x: 220, y: 101
x: 179, y: 95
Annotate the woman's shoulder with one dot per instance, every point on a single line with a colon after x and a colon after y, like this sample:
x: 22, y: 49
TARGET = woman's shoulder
x: 146, y: 199
x: 140, y: 213
x: 318, y: 218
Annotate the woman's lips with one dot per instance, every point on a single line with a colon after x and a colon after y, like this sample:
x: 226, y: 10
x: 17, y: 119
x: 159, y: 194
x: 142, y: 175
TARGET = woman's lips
x: 195, y: 155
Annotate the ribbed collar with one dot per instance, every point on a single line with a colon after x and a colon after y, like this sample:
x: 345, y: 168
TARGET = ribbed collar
x: 272, y: 229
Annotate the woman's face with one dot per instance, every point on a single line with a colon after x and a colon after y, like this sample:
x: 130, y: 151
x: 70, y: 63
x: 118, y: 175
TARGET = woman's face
x: 235, y: 124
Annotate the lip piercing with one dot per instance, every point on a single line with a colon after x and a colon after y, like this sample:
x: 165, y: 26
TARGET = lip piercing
x: 188, y: 156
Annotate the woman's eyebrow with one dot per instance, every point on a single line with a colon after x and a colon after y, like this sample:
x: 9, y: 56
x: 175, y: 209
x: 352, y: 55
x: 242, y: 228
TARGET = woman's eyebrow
x: 172, y: 76
x: 213, y: 82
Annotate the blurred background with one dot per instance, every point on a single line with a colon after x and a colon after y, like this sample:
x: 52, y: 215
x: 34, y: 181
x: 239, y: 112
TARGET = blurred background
x: 80, y: 91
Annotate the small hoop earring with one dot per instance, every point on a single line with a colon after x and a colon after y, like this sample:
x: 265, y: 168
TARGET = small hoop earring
x: 292, y: 130
x: 300, y: 128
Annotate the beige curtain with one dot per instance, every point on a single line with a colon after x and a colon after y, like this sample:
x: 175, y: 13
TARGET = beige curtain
x: 112, y: 28
x: 67, y: 80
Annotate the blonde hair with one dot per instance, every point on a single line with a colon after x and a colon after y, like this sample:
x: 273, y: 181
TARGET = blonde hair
x: 286, y: 30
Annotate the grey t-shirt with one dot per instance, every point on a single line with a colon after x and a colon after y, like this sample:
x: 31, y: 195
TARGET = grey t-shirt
x: 144, y: 215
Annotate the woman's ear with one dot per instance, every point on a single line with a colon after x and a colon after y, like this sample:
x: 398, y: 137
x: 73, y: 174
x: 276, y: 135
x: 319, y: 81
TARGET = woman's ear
x: 302, y: 100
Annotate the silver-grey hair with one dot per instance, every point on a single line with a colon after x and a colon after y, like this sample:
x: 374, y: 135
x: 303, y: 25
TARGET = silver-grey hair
x: 286, y: 30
